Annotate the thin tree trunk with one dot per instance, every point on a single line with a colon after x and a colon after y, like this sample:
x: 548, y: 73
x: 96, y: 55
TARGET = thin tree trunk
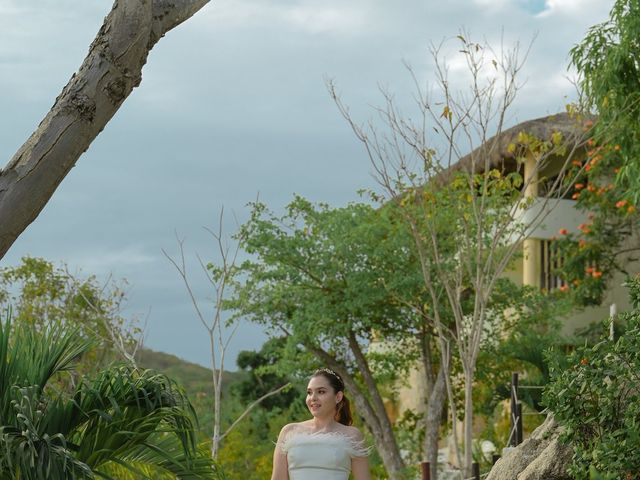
x: 215, y: 439
x: 435, y: 407
x: 109, y: 73
x: 468, y: 423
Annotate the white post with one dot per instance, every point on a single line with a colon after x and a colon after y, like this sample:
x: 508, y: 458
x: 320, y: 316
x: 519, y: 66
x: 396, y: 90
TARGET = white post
x: 612, y: 314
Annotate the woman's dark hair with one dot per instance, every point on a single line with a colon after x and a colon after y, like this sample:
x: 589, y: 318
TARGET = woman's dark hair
x: 343, y: 408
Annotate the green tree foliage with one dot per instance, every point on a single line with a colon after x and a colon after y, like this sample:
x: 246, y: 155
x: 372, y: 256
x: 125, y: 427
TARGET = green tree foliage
x: 603, y: 244
x: 196, y: 381
x: 597, y: 399
x: 322, y: 277
x: 40, y: 295
x: 124, y: 423
x: 463, y: 209
x: 466, y: 235
x: 346, y: 285
x: 261, y: 376
x: 247, y: 451
x: 608, y: 183
x: 528, y: 337
x: 608, y: 60
x: 527, y: 341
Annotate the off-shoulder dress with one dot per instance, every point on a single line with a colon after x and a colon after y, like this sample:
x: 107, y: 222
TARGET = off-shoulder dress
x: 320, y: 455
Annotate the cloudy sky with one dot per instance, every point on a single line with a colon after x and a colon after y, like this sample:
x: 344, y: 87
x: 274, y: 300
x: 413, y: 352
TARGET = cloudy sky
x: 233, y: 104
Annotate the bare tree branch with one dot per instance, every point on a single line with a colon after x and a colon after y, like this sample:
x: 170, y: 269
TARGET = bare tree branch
x: 252, y: 406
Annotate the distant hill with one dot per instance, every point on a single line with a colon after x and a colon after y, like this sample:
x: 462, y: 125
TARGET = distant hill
x: 194, y: 378
x: 191, y: 376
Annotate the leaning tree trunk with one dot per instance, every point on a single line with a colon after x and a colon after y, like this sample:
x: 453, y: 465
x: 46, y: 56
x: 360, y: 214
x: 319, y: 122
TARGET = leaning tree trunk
x: 111, y: 70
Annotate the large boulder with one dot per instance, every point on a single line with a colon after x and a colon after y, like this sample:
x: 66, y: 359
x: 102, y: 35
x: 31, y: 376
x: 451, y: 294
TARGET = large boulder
x: 540, y: 457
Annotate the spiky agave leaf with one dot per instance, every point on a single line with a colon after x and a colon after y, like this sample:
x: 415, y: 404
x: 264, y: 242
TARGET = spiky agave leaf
x: 122, y: 408
x: 28, y: 360
x: 136, y: 419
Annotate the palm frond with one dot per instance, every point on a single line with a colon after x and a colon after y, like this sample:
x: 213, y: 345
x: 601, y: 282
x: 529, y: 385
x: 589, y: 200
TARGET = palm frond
x: 125, y: 419
x: 28, y: 360
x: 164, y: 457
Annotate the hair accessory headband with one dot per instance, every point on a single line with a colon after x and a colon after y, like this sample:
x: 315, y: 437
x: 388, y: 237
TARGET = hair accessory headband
x: 330, y: 372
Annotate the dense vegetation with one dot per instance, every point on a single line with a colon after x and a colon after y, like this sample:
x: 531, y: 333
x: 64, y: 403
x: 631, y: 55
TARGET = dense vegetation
x: 597, y: 399
x: 120, y: 423
x: 196, y: 381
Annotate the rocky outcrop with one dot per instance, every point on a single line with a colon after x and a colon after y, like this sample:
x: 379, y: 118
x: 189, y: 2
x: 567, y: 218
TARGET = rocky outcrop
x: 540, y: 457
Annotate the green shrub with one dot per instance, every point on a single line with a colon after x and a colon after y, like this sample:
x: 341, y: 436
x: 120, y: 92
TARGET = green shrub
x: 597, y: 399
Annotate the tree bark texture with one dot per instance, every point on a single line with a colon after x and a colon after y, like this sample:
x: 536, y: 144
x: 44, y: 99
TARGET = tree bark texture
x: 433, y: 420
x: 109, y: 73
x: 468, y: 423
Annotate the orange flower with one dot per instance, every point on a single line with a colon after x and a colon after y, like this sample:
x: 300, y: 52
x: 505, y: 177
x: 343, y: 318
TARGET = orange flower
x: 579, y: 186
x: 631, y: 209
x: 564, y: 288
x: 575, y: 195
x: 591, y: 188
x: 584, y: 361
x: 597, y: 274
x: 616, y: 170
x: 621, y: 203
x: 563, y: 231
x: 589, y: 270
x: 584, y: 228
x: 576, y: 163
x: 616, y: 148
x: 582, y: 243
x: 587, y: 168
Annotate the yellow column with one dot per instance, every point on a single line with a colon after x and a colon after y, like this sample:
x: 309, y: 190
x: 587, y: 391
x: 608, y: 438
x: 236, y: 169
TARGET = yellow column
x: 531, y: 246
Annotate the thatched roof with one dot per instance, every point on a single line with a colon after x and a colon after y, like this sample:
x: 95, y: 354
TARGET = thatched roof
x: 497, y: 147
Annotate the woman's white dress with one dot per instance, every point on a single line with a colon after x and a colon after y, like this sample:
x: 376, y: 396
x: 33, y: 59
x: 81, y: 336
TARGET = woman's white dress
x: 320, y: 455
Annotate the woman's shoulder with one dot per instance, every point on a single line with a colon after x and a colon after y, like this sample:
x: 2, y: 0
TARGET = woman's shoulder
x: 292, y: 428
x: 307, y: 426
x: 357, y: 444
x: 286, y: 432
x: 353, y: 433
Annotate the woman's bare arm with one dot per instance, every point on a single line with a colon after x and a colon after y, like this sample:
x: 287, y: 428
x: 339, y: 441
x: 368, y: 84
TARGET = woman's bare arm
x: 360, y: 468
x: 280, y: 466
x: 360, y: 465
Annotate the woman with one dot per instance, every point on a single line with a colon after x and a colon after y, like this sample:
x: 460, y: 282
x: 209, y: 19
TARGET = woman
x: 326, y: 447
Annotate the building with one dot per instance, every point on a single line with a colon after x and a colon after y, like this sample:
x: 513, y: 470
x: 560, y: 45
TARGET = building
x: 544, y: 217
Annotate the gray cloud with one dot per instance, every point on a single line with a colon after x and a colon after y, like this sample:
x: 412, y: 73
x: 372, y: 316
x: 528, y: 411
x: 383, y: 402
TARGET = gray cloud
x: 233, y: 104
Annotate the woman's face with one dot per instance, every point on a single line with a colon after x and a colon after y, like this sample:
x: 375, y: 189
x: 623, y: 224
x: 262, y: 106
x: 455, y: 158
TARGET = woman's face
x: 321, y: 397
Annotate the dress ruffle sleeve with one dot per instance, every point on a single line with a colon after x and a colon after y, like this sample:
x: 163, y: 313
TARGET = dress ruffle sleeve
x: 355, y: 448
